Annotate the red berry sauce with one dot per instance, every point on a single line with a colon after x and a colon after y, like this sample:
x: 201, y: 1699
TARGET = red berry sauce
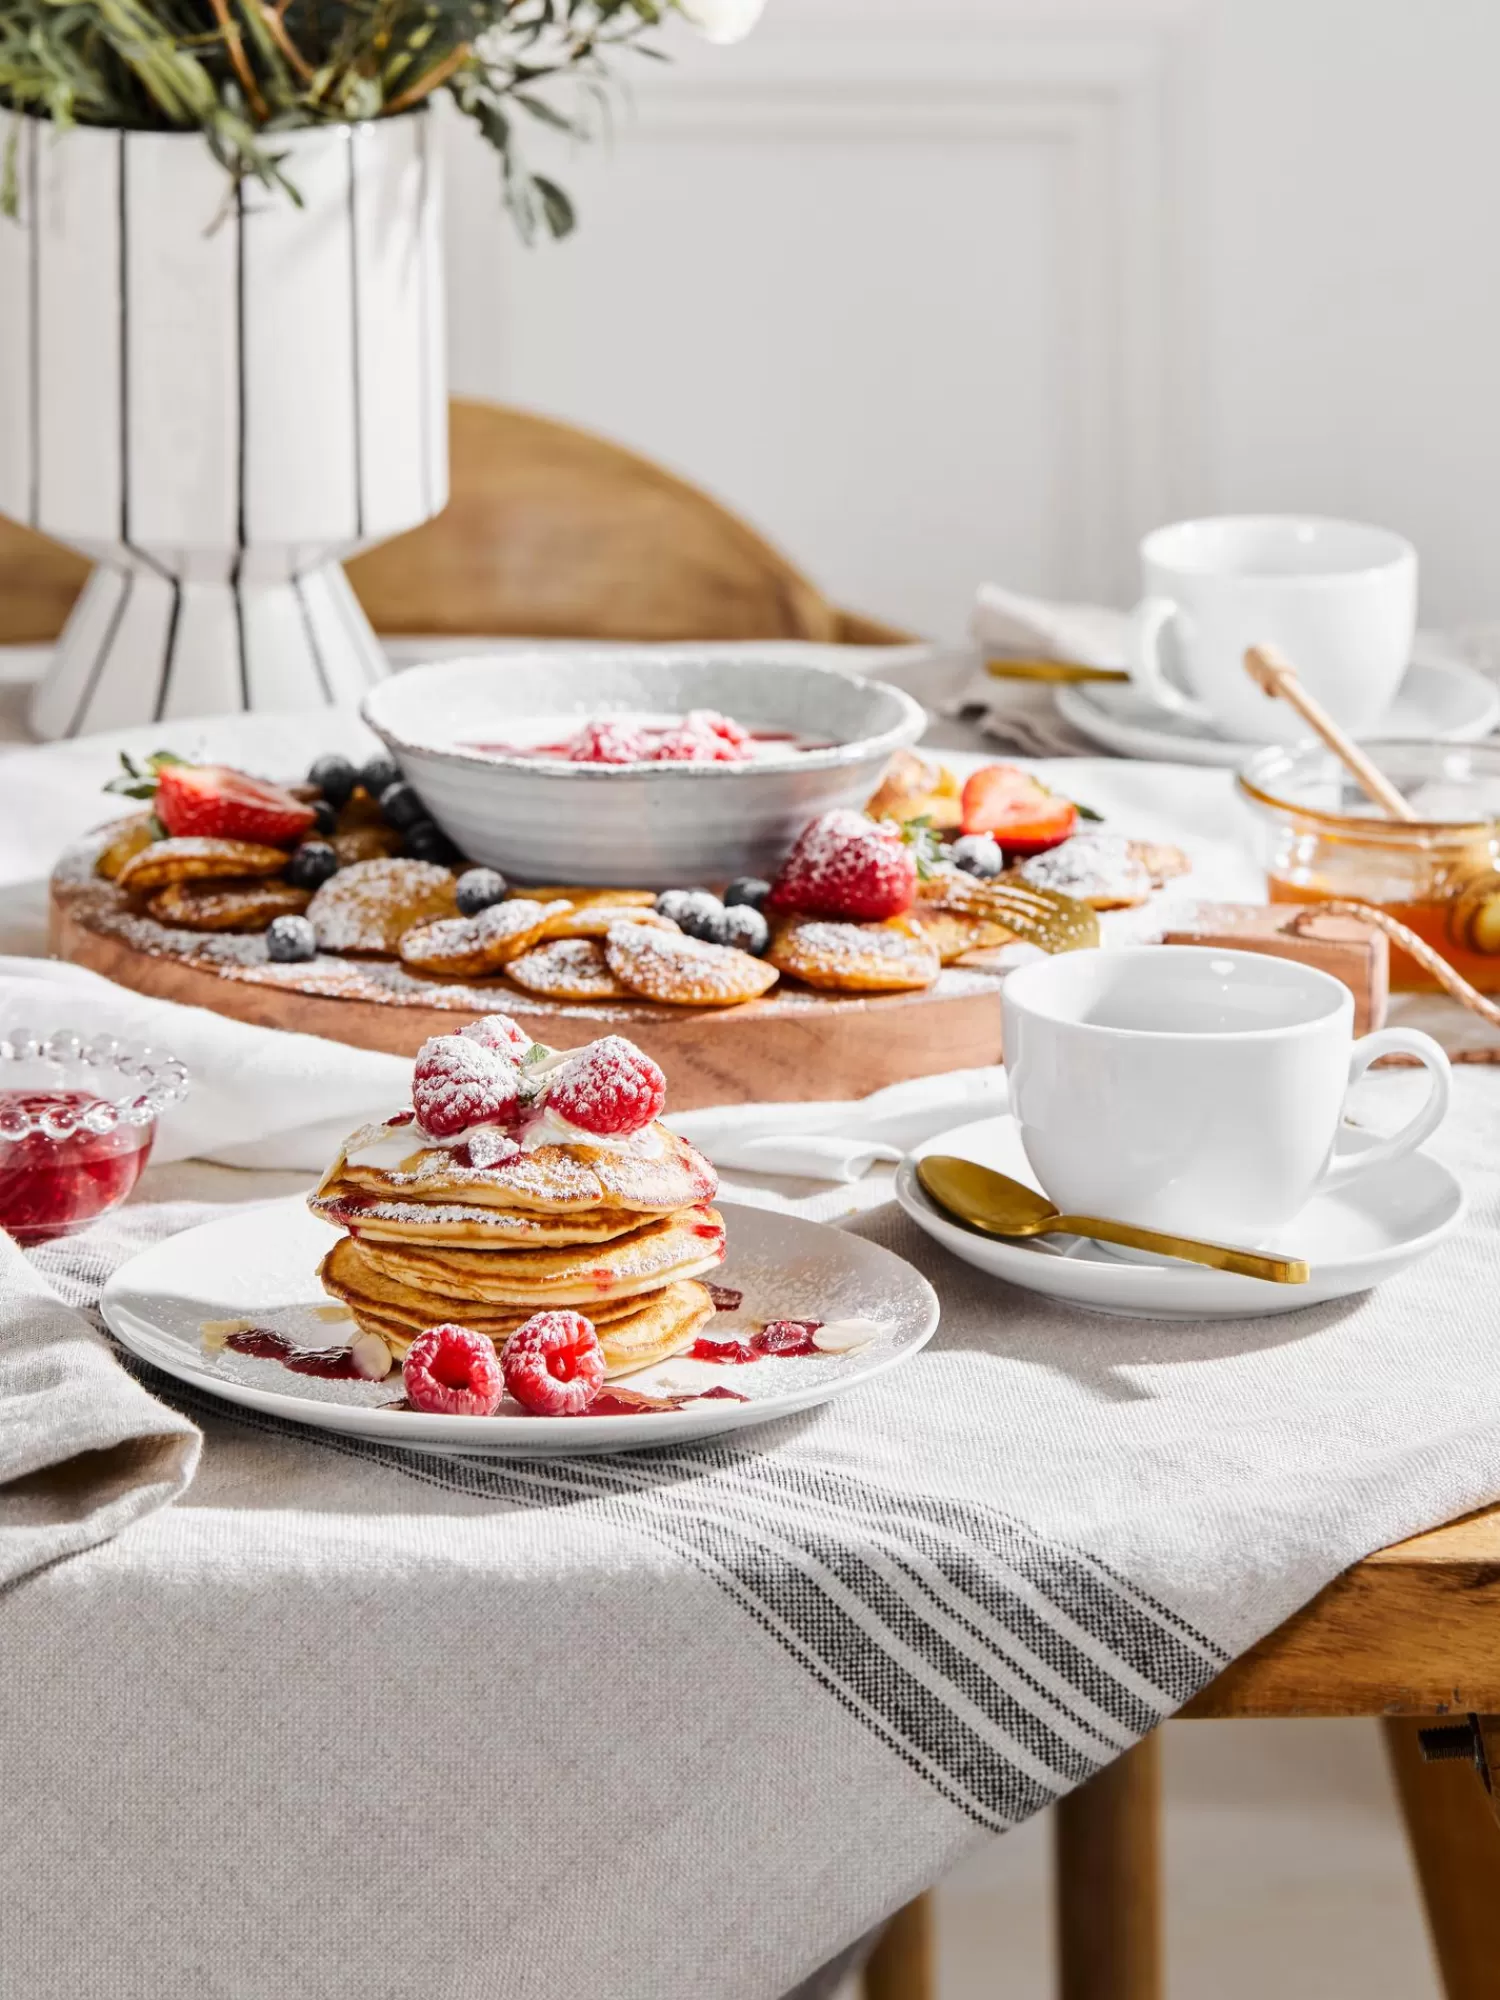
x: 726, y: 1299
x: 330, y: 1364
x: 52, y: 1187
x: 781, y: 1337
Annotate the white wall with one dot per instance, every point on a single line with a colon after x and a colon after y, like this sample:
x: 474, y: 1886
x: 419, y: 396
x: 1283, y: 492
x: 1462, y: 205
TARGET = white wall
x: 933, y: 295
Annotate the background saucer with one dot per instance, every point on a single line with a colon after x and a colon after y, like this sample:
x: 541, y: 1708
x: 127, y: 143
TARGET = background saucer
x: 1442, y: 698
x: 1365, y: 1232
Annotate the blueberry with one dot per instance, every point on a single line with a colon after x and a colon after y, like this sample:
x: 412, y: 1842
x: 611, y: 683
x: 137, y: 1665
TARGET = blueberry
x: 670, y: 901
x: 426, y: 841
x: 400, y: 807
x: 379, y: 775
x: 290, y: 940
x: 479, y: 888
x: 700, y: 915
x: 977, y: 854
x: 311, y: 865
x: 325, y: 819
x: 748, y: 891
x: 746, y: 928
x: 335, y: 778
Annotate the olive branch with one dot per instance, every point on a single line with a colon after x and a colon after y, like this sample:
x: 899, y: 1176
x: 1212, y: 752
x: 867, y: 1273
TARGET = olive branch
x: 242, y: 71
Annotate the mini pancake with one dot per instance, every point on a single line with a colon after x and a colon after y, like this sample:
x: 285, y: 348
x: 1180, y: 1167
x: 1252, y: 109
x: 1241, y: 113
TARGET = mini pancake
x: 366, y: 843
x: 461, y: 1223
x: 684, y: 971
x: 567, y: 968
x: 199, y: 859
x: 675, y: 1247
x: 660, y: 1325
x: 595, y: 919
x: 469, y: 947
x: 951, y: 934
x: 892, y: 957
x: 349, y: 1273
x: 127, y: 838
x: 1161, y: 860
x: 226, y: 906
x: 581, y: 897
x: 552, y: 1180
x: 373, y: 904
x: 1100, y: 869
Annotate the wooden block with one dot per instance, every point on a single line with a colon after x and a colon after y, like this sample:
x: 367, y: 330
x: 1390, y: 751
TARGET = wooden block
x: 1355, y: 953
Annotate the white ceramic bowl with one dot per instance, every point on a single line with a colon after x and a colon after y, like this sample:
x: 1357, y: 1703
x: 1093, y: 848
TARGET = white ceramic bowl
x: 542, y: 819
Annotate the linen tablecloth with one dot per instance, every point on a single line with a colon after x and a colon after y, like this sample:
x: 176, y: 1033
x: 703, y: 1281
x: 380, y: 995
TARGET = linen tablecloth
x: 343, y: 1721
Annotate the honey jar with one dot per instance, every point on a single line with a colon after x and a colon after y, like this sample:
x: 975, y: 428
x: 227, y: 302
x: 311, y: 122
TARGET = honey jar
x: 1439, y: 875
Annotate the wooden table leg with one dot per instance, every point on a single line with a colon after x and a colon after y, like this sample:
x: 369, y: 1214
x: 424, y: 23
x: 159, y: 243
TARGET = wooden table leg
x: 903, y: 1965
x: 1106, y: 1849
x: 1455, y: 1843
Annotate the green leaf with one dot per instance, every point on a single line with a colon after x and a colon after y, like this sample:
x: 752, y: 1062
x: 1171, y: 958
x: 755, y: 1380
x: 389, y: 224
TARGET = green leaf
x: 1086, y: 812
x: 556, y: 207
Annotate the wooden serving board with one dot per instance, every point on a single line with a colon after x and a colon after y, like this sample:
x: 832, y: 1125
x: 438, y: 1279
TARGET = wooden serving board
x: 793, y: 1045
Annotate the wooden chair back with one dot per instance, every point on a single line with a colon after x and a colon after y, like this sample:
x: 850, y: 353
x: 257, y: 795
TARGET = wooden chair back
x: 549, y: 532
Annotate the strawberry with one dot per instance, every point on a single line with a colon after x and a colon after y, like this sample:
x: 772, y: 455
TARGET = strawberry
x: 844, y: 865
x: 458, y: 1083
x: 213, y: 802
x: 1021, y: 813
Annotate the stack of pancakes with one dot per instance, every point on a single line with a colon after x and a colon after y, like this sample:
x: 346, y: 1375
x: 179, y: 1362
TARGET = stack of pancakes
x: 618, y: 1236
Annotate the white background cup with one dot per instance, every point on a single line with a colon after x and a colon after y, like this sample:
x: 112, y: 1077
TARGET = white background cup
x: 1193, y: 1090
x: 1339, y: 599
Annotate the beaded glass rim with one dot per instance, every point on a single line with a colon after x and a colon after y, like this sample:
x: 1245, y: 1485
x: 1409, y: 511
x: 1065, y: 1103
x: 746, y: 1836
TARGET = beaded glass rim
x: 154, y: 1081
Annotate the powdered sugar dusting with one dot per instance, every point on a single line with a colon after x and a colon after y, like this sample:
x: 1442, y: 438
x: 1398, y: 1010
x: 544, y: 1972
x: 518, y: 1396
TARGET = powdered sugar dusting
x: 572, y: 968
x: 460, y: 939
x: 368, y: 906
x: 1091, y: 866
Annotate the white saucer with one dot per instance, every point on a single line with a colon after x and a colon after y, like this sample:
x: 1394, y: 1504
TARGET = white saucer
x: 1441, y: 698
x: 261, y: 1266
x: 1366, y: 1232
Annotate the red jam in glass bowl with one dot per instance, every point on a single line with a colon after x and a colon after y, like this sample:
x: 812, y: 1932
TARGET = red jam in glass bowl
x: 76, y: 1123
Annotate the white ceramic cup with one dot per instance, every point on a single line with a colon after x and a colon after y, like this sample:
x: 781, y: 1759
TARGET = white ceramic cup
x: 1194, y: 1090
x: 1339, y: 599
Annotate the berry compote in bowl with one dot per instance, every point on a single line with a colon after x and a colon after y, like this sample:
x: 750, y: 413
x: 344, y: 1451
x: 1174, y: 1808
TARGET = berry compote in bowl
x: 77, y: 1119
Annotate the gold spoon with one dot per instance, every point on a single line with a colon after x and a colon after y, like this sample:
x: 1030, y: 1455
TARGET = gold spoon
x: 1053, y: 672
x: 999, y: 1206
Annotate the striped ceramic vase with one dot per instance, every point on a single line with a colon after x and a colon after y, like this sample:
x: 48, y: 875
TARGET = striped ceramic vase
x: 218, y: 393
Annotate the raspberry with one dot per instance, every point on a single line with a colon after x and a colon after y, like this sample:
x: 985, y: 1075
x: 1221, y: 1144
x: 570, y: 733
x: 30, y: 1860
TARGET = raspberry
x: 460, y: 1082
x: 554, y: 1365
x: 609, y: 1087
x: 451, y: 1372
x: 498, y: 1032
x: 845, y: 865
x: 724, y: 727
x: 606, y: 742
x: 787, y: 1336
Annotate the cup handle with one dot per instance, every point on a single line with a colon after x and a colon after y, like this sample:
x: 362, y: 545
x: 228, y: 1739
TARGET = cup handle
x: 1385, y: 1042
x: 1149, y: 620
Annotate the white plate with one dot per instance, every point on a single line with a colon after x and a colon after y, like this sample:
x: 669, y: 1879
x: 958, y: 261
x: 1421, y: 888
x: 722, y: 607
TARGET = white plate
x: 1368, y: 1231
x: 1446, y: 699
x: 262, y: 1265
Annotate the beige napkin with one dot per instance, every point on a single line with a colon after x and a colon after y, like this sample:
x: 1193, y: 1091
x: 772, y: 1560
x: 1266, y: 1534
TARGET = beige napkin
x: 1021, y: 716
x: 83, y: 1449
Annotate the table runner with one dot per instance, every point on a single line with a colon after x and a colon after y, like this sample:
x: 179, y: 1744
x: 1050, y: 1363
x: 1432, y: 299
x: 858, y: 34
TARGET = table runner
x: 347, y: 1721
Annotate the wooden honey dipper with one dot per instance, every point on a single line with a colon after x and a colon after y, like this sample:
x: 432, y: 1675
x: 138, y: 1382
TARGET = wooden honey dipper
x: 1275, y: 675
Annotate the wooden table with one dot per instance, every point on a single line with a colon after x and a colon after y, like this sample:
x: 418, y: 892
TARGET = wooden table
x: 1412, y: 1635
